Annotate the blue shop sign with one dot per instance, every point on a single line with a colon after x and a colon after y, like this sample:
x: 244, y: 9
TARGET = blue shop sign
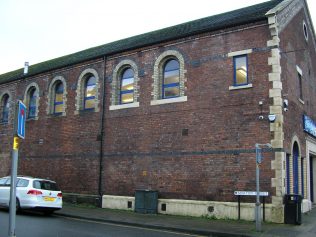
x: 309, y: 125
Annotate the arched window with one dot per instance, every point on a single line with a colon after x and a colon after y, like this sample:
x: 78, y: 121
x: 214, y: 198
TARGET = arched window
x: 89, y: 93
x: 171, y: 79
x: 32, y: 102
x: 127, y: 86
x: 5, y: 109
x: 58, y: 98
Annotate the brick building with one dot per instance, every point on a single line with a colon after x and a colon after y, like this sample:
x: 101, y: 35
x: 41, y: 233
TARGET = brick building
x: 178, y: 110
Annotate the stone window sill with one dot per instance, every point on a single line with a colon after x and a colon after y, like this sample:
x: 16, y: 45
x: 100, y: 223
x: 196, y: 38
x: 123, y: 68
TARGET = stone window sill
x: 240, y: 87
x: 124, y: 106
x: 169, y: 101
x: 57, y: 115
x: 32, y: 118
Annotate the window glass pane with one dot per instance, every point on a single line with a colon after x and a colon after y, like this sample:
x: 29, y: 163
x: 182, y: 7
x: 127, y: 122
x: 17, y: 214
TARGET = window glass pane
x: 5, y: 108
x: 58, y: 108
x: 32, y: 111
x: 90, y: 87
x: 6, y: 103
x: 36, y: 184
x: 32, y: 98
x: 127, y: 84
x: 2, y: 181
x: 58, y: 103
x: 171, y: 92
x: 22, y: 183
x: 128, y: 73
x: 90, y: 91
x: 91, y: 81
x: 59, y: 98
x: 300, y: 85
x: 241, y: 70
x: 127, y: 98
x: 46, y: 185
x: 171, y: 77
x: 59, y: 88
x: 171, y: 72
x: 89, y: 104
x: 172, y: 65
x: 32, y: 103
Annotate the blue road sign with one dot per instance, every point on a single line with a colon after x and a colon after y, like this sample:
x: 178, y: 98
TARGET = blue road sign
x: 21, y: 120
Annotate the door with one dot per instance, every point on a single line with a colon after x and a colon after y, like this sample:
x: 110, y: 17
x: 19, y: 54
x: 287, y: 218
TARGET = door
x: 295, y: 168
x: 312, y: 177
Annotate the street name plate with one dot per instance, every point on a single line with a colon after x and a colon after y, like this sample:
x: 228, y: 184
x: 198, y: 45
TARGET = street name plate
x: 250, y: 193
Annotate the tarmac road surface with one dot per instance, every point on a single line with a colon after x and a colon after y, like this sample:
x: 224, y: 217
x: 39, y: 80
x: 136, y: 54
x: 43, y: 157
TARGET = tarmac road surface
x: 32, y: 224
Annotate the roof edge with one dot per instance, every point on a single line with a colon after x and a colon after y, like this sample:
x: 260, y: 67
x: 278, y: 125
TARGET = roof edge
x: 188, y: 29
x: 279, y: 7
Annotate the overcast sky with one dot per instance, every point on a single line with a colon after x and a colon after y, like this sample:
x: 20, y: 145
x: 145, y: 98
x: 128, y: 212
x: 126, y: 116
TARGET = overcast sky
x: 39, y: 30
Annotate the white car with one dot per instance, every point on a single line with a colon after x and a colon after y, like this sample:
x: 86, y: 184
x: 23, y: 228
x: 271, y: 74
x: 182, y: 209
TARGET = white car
x: 32, y: 193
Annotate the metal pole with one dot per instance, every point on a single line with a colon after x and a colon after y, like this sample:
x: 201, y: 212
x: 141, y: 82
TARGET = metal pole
x: 12, y: 215
x: 14, y: 168
x: 258, y: 207
x: 238, y: 207
x: 259, y: 159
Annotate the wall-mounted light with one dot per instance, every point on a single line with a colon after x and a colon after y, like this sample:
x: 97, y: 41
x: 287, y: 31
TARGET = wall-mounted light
x: 272, y: 118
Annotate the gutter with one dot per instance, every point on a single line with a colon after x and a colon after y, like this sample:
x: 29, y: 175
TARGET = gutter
x: 101, y: 135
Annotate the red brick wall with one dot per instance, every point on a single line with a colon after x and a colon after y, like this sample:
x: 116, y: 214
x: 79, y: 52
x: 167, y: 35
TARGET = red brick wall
x: 6, y: 132
x: 144, y: 147
x: 297, y: 51
x: 63, y: 148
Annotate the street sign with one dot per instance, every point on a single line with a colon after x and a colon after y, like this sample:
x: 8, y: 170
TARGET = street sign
x: 250, y: 193
x: 21, y: 120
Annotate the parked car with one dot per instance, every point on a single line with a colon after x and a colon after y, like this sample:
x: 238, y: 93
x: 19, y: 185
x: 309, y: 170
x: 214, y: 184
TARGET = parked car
x: 32, y: 193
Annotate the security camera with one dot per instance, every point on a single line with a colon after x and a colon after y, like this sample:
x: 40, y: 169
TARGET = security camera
x: 261, y: 117
x: 272, y: 118
x: 285, y: 105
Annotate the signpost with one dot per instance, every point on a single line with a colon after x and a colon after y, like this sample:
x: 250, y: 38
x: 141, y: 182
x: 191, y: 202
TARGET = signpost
x: 19, y: 132
x: 251, y: 193
x: 259, y: 159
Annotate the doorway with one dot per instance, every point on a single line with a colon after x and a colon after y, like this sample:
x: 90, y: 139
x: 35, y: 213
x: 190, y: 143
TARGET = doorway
x: 312, y: 162
x: 295, y: 168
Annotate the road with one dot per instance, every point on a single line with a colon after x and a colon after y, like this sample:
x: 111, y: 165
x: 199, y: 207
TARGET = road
x: 32, y: 224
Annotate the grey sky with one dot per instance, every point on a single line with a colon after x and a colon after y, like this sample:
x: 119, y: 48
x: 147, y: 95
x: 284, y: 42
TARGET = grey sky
x: 39, y: 30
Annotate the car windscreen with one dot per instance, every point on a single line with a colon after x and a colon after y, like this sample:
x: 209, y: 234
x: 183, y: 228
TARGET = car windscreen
x: 45, y: 185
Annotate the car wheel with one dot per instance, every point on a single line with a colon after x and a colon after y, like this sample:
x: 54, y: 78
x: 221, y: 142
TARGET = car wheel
x: 17, y: 205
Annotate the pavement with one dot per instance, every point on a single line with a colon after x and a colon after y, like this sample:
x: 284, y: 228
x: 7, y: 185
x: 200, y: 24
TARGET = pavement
x: 192, y: 225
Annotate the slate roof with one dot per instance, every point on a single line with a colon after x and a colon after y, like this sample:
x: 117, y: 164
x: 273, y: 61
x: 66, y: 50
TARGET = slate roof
x: 221, y: 21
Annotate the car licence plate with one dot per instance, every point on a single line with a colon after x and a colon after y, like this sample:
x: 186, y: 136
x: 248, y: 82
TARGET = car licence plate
x: 49, y: 199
